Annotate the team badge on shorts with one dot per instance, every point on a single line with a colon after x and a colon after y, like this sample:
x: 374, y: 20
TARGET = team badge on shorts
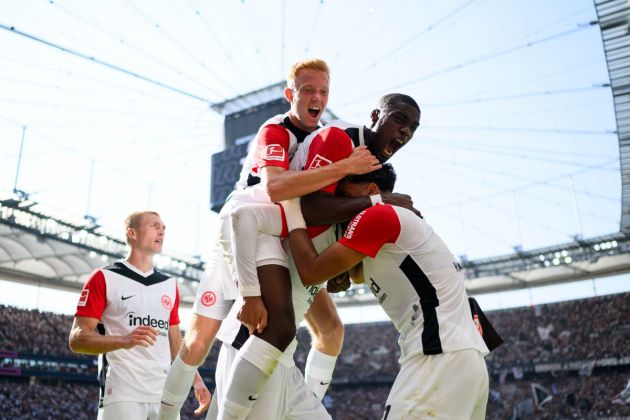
x: 274, y: 152
x: 166, y: 302
x: 208, y: 298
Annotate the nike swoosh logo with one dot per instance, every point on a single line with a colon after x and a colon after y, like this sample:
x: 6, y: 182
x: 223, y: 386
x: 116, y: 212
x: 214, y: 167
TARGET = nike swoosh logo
x: 252, y: 398
x: 165, y: 403
x: 126, y: 297
x: 324, y: 383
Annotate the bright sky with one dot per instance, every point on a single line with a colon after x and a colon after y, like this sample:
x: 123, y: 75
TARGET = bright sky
x: 516, y: 145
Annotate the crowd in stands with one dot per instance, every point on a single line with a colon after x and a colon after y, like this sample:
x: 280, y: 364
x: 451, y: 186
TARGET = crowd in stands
x: 46, y: 335
x: 30, y: 399
x: 583, y: 331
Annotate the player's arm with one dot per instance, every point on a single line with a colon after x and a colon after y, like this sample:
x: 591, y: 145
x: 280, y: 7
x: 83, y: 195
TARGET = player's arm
x: 324, y: 208
x: 85, y: 339
x: 202, y: 394
x: 356, y: 274
x: 316, y: 269
x: 324, y: 325
x: 313, y: 268
x: 283, y: 185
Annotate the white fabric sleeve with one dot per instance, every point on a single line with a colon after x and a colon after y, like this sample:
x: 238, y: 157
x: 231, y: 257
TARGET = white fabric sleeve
x: 248, y: 222
x: 293, y: 214
x: 376, y: 199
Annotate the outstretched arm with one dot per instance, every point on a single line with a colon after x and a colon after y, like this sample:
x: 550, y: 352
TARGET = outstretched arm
x: 283, y: 185
x: 323, y: 208
x: 314, y: 268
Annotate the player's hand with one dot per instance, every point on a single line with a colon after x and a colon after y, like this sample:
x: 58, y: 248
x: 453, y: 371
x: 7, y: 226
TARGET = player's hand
x: 253, y: 314
x: 203, y: 396
x: 341, y: 283
x: 142, y: 336
x: 361, y: 161
x: 401, y: 200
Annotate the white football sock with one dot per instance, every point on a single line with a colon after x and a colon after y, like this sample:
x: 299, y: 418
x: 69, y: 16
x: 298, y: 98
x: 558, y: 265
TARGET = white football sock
x: 318, y: 371
x: 176, y: 388
x: 252, y: 368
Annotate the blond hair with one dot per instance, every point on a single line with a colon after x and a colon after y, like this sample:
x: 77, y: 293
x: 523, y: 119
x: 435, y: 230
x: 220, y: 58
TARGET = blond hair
x: 308, y: 64
x: 134, y: 219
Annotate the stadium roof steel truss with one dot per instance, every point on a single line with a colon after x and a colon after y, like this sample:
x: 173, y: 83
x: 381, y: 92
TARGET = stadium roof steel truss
x: 39, y: 248
x: 614, y: 22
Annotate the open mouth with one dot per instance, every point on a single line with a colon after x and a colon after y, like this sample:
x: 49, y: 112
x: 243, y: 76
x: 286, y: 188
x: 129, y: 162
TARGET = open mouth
x: 392, y: 147
x: 314, y: 111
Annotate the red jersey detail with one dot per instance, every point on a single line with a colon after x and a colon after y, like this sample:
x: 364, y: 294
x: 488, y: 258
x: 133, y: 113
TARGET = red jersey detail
x: 93, y: 297
x: 272, y: 147
x: 174, y: 316
x: 330, y: 145
x: 371, y: 229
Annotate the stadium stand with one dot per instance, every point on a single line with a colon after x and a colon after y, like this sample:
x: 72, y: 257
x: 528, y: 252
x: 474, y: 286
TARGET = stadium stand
x: 574, y: 354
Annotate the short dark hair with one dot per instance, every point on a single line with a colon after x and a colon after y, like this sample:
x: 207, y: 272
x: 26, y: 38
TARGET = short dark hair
x: 392, y: 100
x: 384, y: 178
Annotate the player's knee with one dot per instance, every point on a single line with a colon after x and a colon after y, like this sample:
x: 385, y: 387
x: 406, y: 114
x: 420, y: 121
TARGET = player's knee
x: 331, y: 336
x: 194, y: 350
x: 335, y: 332
x: 281, y: 331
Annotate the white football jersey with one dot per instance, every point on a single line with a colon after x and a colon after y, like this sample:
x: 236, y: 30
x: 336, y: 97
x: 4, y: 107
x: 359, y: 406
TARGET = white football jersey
x: 416, y: 279
x: 232, y: 332
x: 274, y: 145
x: 123, y: 298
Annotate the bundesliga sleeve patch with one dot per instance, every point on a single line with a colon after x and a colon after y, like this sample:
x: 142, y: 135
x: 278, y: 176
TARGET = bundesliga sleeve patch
x: 274, y: 152
x: 318, y: 161
x: 83, y: 298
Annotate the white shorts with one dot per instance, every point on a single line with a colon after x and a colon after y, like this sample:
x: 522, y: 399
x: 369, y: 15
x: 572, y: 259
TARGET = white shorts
x: 285, y: 396
x: 218, y: 288
x: 129, y: 410
x: 451, y: 385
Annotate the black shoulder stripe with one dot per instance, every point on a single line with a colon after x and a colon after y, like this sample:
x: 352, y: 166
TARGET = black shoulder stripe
x: 297, y: 132
x: 123, y: 270
x: 353, y: 133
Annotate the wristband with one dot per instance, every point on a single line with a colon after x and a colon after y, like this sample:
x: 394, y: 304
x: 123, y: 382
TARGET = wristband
x: 293, y: 214
x: 376, y: 199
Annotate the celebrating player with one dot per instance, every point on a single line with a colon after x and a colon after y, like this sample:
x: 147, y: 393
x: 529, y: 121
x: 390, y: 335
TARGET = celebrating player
x: 419, y: 284
x: 393, y: 124
x: 266, y: 301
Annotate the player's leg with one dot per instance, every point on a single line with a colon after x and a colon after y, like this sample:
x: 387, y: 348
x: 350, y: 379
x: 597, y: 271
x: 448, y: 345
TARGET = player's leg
x: 302, y: 403
x: 483, y: 386
x: 259, y: 356
x: 124, y: 410
x: 209, y: 309
x: 425, y: 387
x: 248, y: 221
x: 194, y: 350
x: 153, y: 412
x: 327, y: 332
